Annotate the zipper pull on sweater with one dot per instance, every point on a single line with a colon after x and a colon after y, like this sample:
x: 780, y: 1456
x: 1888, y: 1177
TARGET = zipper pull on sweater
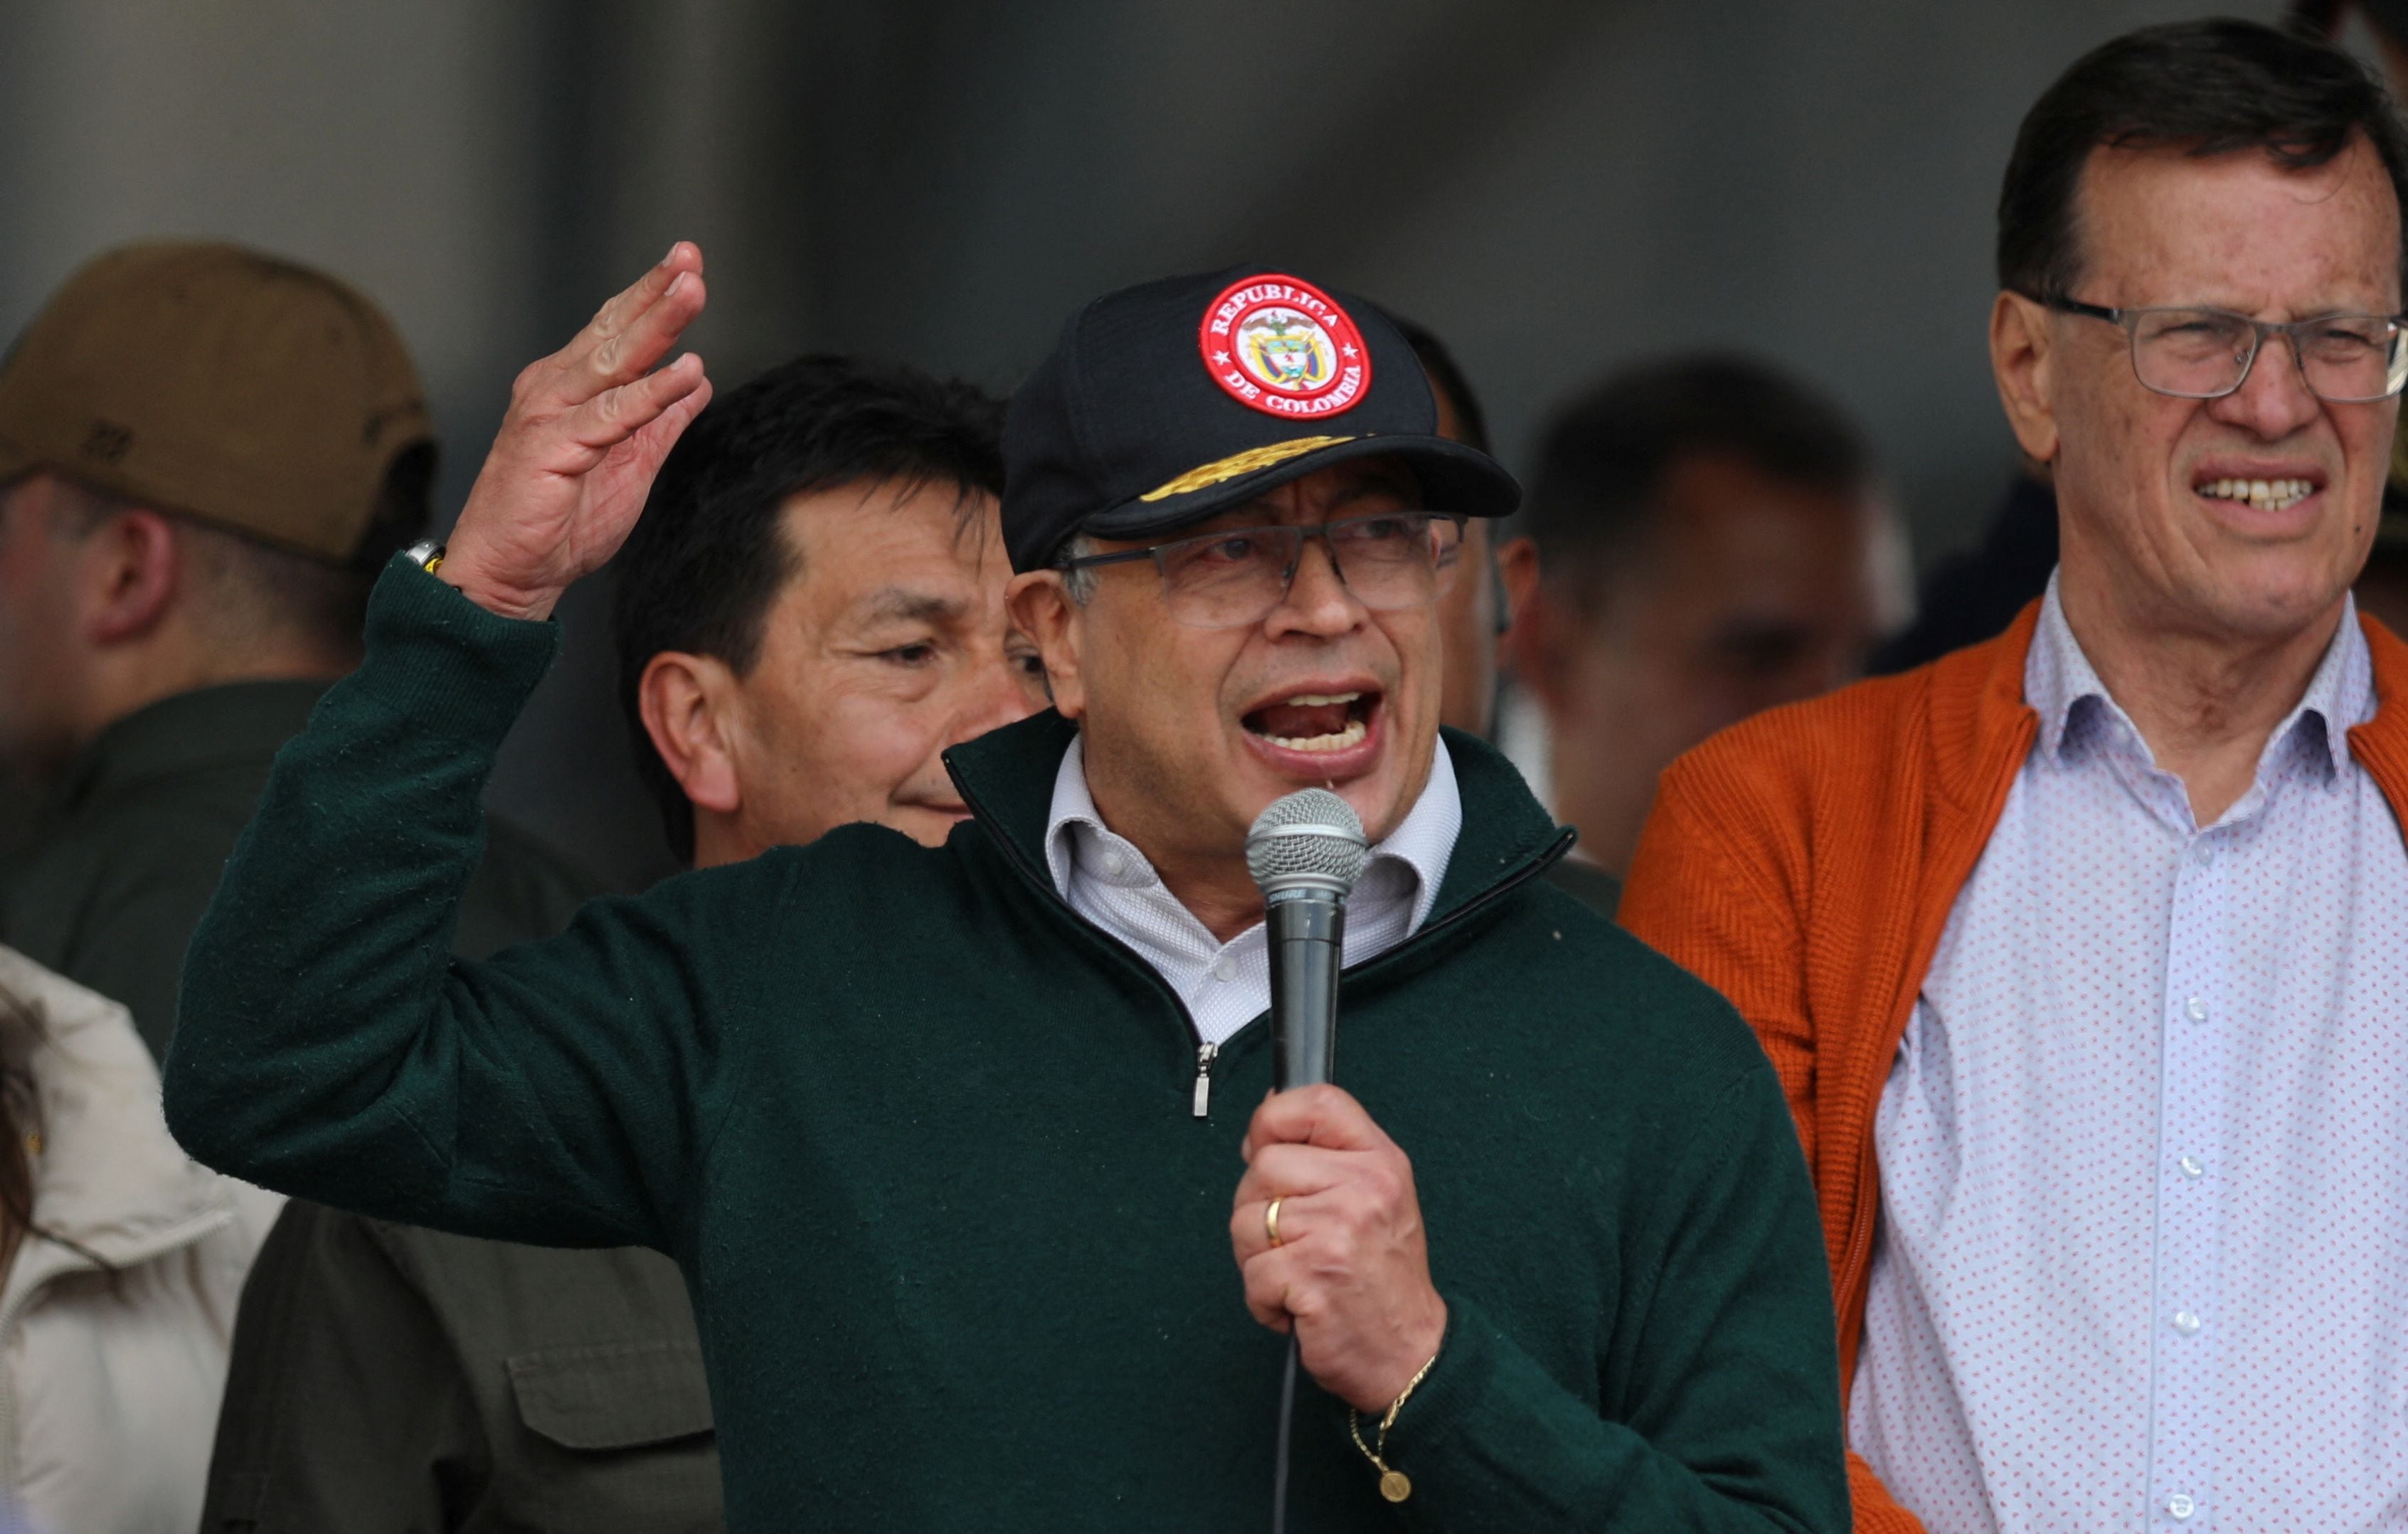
x: 1204, y: 1055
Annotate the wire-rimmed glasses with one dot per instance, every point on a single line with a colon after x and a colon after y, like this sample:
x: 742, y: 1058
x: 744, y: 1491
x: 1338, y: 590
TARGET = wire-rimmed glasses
x: 1233, y: 577
x: 2206, y: 353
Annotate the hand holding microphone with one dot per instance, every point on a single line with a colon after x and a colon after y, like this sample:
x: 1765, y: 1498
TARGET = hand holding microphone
x: 1351, y: 1274
x: 1350, y: 1271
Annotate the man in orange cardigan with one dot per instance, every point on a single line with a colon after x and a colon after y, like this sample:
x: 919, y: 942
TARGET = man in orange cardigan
x: 2082, y: 954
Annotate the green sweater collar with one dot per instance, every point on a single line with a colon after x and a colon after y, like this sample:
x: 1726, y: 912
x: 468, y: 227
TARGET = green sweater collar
x: 1006, y: 779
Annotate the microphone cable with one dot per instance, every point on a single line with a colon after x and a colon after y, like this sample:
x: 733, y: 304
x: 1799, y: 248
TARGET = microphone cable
x: 1287, y: 1433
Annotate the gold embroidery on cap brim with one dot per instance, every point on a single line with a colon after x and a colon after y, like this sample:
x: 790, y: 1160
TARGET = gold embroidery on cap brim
x: 1236, y: 464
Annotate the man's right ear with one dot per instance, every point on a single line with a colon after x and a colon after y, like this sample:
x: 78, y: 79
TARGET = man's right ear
x: 2022, y: 356
x: 1517, y: 571
x: 1040, y: 607
x: 685, y: 701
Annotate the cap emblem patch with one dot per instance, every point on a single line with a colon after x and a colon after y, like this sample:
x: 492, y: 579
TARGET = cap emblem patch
x: 1283, y: 347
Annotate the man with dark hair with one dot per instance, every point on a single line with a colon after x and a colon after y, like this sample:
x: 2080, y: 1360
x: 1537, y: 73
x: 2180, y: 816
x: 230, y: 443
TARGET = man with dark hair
x: 967, y: 1152
x: 1708, y: 542
x: 2080, y: 951
x: 206, y: 455
x: 811, y: 609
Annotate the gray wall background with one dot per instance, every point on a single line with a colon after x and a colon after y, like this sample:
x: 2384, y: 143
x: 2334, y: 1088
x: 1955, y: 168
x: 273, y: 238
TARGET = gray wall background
x: 1554, y: 186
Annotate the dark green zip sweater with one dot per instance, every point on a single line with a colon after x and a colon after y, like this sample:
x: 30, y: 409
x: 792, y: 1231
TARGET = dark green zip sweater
x: 922, y: 1140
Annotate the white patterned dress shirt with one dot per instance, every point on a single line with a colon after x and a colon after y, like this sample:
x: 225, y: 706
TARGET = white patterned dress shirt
x: 1226, y: 986
x: 2144, y: 1152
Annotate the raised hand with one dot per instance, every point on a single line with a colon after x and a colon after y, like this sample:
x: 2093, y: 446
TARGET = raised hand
x: 586, y: 431
x: 1351, y: 1273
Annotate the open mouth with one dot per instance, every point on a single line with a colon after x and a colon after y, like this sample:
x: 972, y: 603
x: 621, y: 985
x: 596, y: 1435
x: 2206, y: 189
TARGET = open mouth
x: 1316, y: 722
x: 2258, y: 495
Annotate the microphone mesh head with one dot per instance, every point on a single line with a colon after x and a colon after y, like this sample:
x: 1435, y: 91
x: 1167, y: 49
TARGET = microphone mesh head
x: 1312, y: 837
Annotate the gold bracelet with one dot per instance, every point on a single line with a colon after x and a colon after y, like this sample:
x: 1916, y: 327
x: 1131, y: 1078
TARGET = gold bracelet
x: 1395, y: 1485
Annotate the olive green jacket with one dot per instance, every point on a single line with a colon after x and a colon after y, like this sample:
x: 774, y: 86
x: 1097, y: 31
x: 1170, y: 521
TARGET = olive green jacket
x: 128, y: 845
x: 393, y: 1380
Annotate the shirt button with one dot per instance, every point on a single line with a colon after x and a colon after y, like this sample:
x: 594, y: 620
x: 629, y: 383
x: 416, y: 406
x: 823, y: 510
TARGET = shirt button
x: 2186, y: 1323
x: 1225, y: 968
x: 2195, y: 1009
x: 2192, y: 1166
x: 2181, y: 1506
x: 2202, y: 854
x: 1114, y: 864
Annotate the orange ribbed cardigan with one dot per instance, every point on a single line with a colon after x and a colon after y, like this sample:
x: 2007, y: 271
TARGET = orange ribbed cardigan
x: 1804, y: 863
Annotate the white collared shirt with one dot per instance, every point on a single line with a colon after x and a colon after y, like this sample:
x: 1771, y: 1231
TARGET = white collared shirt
x: 2144, y: 1147
x: 1226, y: 986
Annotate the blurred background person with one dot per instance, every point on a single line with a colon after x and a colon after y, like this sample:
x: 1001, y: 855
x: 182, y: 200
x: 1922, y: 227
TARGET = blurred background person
x: 1476, y: 609
x: 123, y: 1261
x: 1709, y: 541
x: 207, y: 454
x: 808, y: 613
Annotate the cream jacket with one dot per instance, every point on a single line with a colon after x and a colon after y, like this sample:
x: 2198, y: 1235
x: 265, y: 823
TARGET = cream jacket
x: 109, y: 1381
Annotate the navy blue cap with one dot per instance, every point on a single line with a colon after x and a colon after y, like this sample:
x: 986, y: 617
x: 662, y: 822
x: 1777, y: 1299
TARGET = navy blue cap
x: 1168, y: 403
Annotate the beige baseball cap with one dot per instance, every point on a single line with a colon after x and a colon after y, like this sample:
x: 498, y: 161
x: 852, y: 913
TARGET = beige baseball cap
x: 205, y: 378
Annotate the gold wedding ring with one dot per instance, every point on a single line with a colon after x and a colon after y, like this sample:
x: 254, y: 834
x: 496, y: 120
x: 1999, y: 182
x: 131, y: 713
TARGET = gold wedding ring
x: 1270, y: 1218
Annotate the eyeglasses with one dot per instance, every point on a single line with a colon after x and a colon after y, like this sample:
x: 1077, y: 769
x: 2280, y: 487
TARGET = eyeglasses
x: 1232, y: 579
x: 2205, y: 353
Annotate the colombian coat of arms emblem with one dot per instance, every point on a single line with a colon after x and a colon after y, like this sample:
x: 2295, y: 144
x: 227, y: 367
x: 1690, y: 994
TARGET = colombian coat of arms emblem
x: 1283, y: 346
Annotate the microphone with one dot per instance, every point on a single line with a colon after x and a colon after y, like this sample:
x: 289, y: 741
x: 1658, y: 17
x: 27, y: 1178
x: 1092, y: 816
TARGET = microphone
x: 1305, y: 852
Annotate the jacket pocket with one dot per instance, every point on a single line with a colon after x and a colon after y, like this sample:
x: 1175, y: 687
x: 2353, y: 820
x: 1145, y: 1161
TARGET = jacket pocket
x: 613, y: 1395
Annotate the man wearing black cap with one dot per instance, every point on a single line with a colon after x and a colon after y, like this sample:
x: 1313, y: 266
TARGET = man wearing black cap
x: 945, y: 1139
